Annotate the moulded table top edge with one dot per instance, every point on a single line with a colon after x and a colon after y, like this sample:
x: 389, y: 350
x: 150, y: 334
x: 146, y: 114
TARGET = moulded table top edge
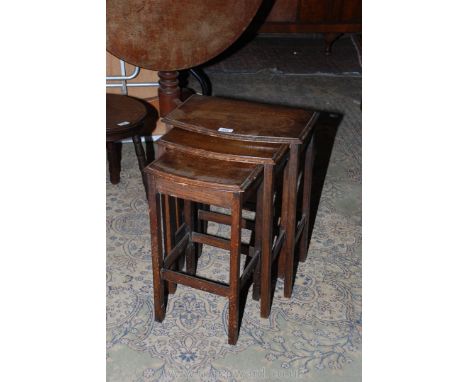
x: 254, y: 172
x: 236, y: 136
x: 279, y: 152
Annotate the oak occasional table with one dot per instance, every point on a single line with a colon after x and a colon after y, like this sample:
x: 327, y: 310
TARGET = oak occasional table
x: 257, y: 122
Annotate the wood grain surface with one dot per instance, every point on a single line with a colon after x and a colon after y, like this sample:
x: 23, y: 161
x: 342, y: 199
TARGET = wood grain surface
x: 168, y: 35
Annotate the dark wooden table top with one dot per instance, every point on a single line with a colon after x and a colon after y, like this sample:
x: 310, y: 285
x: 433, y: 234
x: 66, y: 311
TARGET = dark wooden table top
x: 237, y: 119
x: 225, y: 149
x: 189, y: 169
x: 168, y: 35
x: 123, y: 113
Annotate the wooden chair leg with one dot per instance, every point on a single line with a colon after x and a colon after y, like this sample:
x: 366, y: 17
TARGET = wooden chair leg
x: 306, y: 195
x: 234, y: 270
x: 141, y: 157
x: 114, y: 150
x: 156, y: 251
x: 266, y: 237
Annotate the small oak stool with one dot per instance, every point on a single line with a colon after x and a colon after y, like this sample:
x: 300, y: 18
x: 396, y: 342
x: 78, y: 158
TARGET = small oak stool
x: 125, y: 118
x: 201, y: 180
x: 257, y: 122
x: 272, y: 157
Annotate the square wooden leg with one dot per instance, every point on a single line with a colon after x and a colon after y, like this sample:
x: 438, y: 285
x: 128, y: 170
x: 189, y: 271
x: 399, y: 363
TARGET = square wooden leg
x: 258, y: 243
x: 306, y: 195
x: 156, y: 251
x: 234, y: 269
x: 169, y: 232
x: 266, y: 237
x: 291, y: 220
x: 190, y: 253
x: 283, y: 222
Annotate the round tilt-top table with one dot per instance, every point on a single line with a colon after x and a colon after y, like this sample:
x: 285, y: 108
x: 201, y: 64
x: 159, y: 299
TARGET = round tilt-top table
x: 171, y: 35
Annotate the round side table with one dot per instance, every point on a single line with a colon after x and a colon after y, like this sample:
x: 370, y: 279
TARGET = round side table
x: 125, y: 118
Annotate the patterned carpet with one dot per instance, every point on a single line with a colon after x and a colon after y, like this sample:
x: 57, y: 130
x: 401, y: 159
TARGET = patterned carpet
x: 315, y: 335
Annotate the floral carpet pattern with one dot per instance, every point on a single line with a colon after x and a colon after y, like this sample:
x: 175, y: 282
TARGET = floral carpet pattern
x: 315, y: 335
